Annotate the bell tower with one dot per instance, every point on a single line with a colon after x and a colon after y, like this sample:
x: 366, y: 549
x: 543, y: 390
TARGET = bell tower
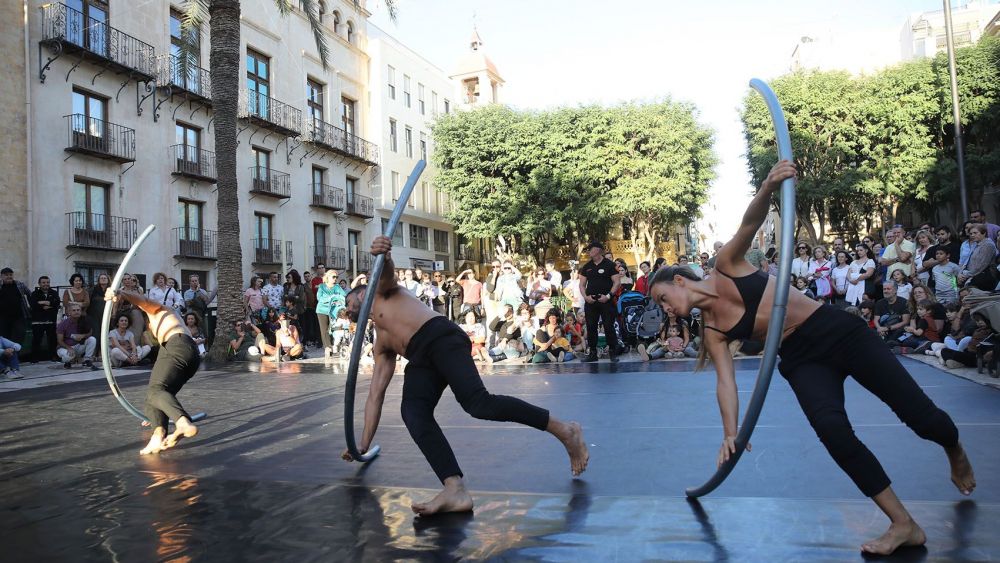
x: 476, y: 78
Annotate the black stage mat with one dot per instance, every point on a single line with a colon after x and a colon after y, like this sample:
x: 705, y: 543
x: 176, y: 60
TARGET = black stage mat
x: 263, y: 480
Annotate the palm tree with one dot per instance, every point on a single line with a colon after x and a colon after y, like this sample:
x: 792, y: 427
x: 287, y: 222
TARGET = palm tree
x: 224, y: 65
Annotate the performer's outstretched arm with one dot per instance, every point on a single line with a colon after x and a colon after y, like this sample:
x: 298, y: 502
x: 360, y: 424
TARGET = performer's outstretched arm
x: 385, y: 366
x: 756, y: 212
x: 386, y: 283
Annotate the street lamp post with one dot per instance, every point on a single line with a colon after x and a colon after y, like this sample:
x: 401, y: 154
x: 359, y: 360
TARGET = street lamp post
x: 956, y: 112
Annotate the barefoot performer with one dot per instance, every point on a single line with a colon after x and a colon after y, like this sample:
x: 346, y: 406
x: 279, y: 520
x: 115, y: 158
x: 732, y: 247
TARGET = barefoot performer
x: 176, y: 362
x: 438, y: 352
x: 820, y: 347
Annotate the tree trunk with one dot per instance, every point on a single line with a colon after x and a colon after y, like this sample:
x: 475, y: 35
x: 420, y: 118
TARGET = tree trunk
x: 806, y: 223
x: 224, y: 31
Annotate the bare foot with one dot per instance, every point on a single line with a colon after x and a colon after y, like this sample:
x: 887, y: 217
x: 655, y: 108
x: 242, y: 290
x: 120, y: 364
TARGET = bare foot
x: 903, y: 534
x: 155, y: 444
x: 579, y: 456
x: 961, y: 470
x: 182, y: 429
x: 451, y: 499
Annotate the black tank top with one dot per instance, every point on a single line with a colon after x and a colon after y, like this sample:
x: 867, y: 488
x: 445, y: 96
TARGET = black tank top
x: 751, y: 288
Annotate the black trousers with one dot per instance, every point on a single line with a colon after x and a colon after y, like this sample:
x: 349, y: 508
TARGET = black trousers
x: 439, y: 356
x: 43, y: 332
x: 176, y: 362
x: 818, y: 357
x: 606, y: 314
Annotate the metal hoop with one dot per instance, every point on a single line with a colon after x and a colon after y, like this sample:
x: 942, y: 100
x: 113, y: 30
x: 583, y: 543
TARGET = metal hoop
x: 776, y: 324
x: 366, y: 306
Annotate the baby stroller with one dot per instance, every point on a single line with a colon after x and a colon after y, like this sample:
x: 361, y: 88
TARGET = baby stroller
x: 631, y: 305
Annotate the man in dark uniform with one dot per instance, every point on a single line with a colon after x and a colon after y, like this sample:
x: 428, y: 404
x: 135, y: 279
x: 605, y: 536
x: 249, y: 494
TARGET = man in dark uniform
x: 598, y: 282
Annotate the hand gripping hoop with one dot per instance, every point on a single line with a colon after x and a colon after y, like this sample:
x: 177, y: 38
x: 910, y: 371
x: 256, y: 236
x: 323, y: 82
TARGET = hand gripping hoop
x: 362, y: 324
x: 106, y: 328
x: 776, y: 324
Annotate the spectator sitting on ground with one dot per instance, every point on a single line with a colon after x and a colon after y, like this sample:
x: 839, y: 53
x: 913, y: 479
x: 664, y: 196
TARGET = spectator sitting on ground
x: 891, y: 313
x: 668, y: 344
x: 921, y: 332
x: 10, y: 365
x: 967, y: 358
x: 937, y: 312
x: 526, y: 326
x: 575, y: 330
x: 75, y: 338
x: 241, y: 341
x: 550, y: 344
x: 193, y: 323
x: 124, y: 349
x: 340, y: 332
x: 508, y: 332
x: 867, y: 312
x: 287, y: 340
x: 959, y: 329
x: 477, y: 334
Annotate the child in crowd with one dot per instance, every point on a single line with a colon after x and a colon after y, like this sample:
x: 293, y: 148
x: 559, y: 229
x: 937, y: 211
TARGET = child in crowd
x: 921, y: 331
x: 967, y: 357
x: 661, y: 347
x: 945, y: 275
x: 340, y: 331
x: 559, y: 348
x: 959, y: 326
x: 575, y: 330
x: 903, y: 285
x: 526, y: 324
x: 867, y: 310
x: 802, y: 284
x: 675, y: 344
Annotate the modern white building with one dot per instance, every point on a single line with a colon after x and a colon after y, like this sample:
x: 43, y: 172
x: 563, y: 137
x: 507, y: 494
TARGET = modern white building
x: 923, y: 34
x: 121, y: 138
x: 408, y: 94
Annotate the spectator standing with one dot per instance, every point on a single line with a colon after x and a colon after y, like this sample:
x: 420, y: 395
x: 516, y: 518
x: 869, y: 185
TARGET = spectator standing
x: 711, y: 261
x: 800, y: 264
x: 599, y: 281
x: 980, y: 271
x: 819, y: 274
x: 508, y: 288
x: 456, y: 297
x: 95, y: 312
x: 75, y: 338
x: 163, y: 293
x: 318, y: 272
x: 44, y: 309
x: 552, y: 274
x: 439, y: 301
x: 294, y: 292
x: 10, y: 363
x: 898, y: 254
x: 330, y: 299
x: 923, y: 256
x: 945, y: 274
x: 683, y: 260
x: 642, y: 280
x: 571, y: 289
x: 310, y: 326
x: 979, y: 216
x: 838, y: 278
x: 76, y: 293
x: 411, y: 284
x: 137, y: 321
x: 272, y: 291
x: 946, y: 239
x: 967, y: 246
x: 196, y: 299
x: 253, y: 297
x: 472, y: 293
x: 891, y: 313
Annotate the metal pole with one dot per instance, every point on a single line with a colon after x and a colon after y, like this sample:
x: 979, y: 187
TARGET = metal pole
x: 955, y: 109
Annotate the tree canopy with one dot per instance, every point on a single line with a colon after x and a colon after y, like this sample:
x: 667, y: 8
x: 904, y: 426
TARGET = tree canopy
x: 538, y: 178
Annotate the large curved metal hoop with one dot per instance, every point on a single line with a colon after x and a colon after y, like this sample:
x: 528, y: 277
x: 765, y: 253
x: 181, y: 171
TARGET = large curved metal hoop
x: 362, y: 324
x: 776, y: 324
x: 106, y: 328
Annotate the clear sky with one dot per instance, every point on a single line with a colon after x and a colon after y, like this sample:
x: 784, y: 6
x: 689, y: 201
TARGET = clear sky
x: 569, y: 52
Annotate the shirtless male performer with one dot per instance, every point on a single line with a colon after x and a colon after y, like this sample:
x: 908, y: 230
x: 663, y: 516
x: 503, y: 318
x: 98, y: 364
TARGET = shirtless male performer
x: 439, y: 356
x: 176, y: 362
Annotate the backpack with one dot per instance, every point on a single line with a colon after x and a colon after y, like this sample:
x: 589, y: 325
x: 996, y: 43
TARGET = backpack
x: 631, y: 306
x: 651, y: 321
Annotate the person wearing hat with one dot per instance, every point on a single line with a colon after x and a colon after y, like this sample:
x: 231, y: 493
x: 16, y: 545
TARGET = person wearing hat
x: 598, y: 282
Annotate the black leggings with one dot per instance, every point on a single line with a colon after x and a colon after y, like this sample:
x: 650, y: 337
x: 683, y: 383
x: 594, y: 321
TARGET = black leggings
x: 439, y: 356
x: 176, y: 363
x: 816, y: 359
x: 964, y: 357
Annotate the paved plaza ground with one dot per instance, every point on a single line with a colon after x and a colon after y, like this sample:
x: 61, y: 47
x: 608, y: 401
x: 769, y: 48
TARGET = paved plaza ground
x: 264, y: 481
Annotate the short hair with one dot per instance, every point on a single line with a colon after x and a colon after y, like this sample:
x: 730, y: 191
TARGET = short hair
x: 73, y: 277
x: 6, y: 271
x: 888, y: 283
x: 979, y: 227
x: 945, y: 249
x: 979, y: 211
x: 320, y: 265
x: 40, y: 278
x: 550, y: 262
x: 189, y: 277
x: 73, y: 305
x: 646, y: 262
x: 925, y: 304
x: 123, y: 316
x: 867, y: 305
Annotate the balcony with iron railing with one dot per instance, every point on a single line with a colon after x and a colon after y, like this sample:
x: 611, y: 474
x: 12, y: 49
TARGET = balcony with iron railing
x: 327, y: 197
x: 267, y: 113
x: 360, y: 206
x: 68, y: 30
x: 335, y: 258
x: 192, y: 162
x: 190, y: 242
x: 364, y: 261
x: 268, y: 251
x: 266, y: 181
x: 194, y: 84
x: 341, y: 142
x: 96, y: 137
x: 100, y: 232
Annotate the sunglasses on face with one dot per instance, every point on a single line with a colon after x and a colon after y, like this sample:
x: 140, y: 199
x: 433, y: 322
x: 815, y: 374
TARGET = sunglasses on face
x: 803, y: 248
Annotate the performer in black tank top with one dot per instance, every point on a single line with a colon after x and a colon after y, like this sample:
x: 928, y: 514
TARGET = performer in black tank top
x: 825, y: 346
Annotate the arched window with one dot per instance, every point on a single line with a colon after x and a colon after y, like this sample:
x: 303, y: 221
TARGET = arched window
x: 322, y: 10
x: 336, y: 21
x: 350, y: 32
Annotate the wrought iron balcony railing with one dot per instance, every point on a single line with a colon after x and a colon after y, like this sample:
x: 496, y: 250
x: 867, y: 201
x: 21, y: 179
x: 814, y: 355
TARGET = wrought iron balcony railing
x: 270, y: 182
x: 101, y: 232
x: 335, y: 258
x: 364, y: 261
x: 268, y: 113
x: 69, y: 30
x: 268, y: 251
x: 192, y: 162
x: 340, y: 141
x: 327, y: 197
x: 190, y: 242
x: 360, y: 206
x: 96, y: 137
x: 196, y: 82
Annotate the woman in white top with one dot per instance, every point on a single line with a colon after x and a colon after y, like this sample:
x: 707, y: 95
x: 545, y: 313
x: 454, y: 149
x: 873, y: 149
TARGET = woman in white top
x: 862, y: 268
x: 800, y: 264
x: 163, y: 293
x: 838, y: 277
x: 123, y: 347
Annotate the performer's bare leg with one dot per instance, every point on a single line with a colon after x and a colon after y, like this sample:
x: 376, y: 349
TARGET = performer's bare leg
x: 182, y: 429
